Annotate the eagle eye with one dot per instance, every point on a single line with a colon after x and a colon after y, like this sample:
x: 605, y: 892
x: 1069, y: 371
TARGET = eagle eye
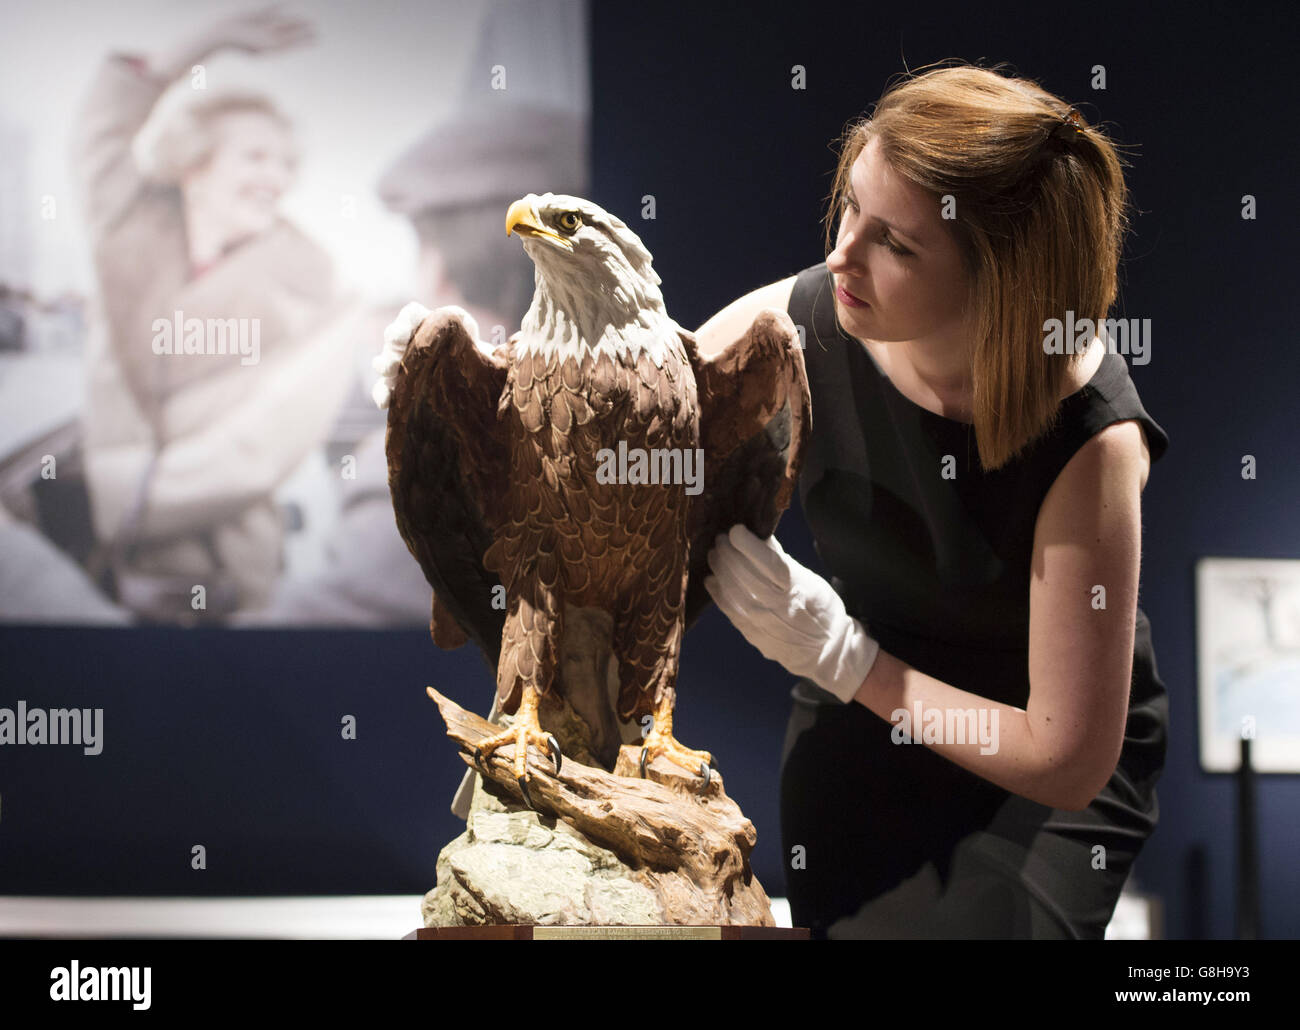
x: 569, y: 221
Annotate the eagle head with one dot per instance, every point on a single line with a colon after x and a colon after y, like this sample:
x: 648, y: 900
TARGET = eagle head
x: 596, y: 284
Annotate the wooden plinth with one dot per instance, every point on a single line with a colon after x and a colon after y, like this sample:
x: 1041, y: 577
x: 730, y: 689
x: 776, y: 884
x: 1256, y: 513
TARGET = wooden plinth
x: 528, y: 932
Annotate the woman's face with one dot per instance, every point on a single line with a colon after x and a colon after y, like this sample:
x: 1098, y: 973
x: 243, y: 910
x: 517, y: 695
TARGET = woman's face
x: 901, y: 281
x: 252, y: 164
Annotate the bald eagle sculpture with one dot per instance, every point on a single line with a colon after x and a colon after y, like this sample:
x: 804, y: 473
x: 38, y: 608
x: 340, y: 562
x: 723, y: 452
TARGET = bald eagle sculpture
x: 587, y: 464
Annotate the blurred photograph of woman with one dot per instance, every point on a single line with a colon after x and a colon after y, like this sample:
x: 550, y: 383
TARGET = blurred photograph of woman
x: 220, y: 349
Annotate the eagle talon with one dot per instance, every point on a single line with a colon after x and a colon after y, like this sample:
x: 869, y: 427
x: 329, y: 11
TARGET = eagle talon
x: 524, y: 732
x: 662, y: 742
x: 523, y: 789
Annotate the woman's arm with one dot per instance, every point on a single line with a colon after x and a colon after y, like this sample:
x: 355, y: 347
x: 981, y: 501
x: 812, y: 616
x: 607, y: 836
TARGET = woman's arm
x: 253, y: 32
x: 257, y: 434
x: 1063, y: 748
x: 112, y: 110
x: 123, y: 93
x: 731, y: 323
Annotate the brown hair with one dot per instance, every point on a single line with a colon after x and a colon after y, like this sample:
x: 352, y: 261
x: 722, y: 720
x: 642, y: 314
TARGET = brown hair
x: 1041, y: 213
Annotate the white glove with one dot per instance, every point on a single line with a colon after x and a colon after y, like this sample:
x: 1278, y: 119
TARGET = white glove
x: 397, y: 336
x: 789, y: 613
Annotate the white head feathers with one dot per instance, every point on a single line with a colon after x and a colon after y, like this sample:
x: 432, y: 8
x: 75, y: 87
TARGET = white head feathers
x: 596, y: 285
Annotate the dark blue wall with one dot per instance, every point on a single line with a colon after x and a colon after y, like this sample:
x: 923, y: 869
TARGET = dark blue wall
x: 232, y: 740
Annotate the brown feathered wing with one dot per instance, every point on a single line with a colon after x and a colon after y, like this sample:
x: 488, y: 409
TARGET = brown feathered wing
x: 447, y: 470
x: 755, y: 419
x: 448, y: 464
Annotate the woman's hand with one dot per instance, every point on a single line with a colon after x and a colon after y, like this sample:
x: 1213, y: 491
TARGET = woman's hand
x: 397, y: 337
x: 789, y: 613
x: 260, y: 31
x: 255, y: 32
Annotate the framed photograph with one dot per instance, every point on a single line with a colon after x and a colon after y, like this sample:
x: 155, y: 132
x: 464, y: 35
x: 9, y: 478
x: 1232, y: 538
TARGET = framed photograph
x: 382, y: 154
x: 1248, y: 661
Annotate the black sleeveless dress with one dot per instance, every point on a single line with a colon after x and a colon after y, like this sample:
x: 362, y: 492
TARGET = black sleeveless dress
x: 896, y: 840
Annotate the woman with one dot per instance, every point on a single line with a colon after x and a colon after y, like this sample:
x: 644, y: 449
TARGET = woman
x: 975, y: 495
x: 188, y: 434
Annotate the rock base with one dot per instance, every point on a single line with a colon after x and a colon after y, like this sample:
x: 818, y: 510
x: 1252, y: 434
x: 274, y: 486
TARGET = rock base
x: 605, y: 849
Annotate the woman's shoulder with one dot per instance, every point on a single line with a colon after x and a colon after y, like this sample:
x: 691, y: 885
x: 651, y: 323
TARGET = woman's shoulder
x: 1105, y: 432
x: 1085, y: 369
x: 1114, y: 425
x: 291, y: 259
x: 729, y: 324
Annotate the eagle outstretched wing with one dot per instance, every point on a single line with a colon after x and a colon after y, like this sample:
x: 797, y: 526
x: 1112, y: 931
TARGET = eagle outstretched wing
x: 447, y: 465
x: 755, y: 419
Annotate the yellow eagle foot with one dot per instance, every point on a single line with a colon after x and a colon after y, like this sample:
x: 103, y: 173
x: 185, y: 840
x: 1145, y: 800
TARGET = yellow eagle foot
x: 525, y: 731
x: 665, y: 744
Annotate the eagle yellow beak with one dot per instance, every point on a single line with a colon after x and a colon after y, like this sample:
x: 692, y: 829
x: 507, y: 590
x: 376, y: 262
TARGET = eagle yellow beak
x: 522, y: 218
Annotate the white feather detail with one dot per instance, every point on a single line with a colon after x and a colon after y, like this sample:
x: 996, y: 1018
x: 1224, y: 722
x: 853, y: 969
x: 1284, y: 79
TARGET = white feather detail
x: 597, y: 295
x: 655, y: 345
